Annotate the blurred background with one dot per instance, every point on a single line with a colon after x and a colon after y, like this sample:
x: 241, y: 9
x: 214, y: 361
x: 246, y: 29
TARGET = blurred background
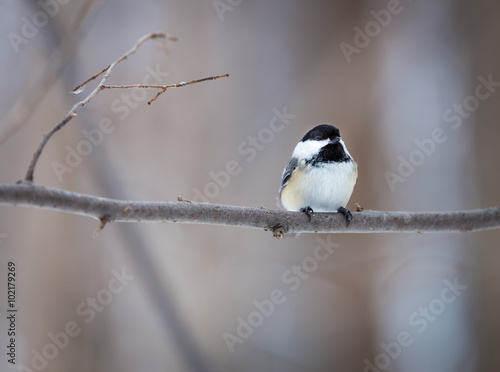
x: 413, y: 87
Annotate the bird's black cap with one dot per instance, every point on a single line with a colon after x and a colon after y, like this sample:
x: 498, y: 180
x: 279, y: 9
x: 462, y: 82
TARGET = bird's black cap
x: 322, y: 132
x: 333, y: 151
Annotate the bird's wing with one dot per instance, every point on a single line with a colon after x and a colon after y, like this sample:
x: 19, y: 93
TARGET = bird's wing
x: 285, y: 178
x: 287, y: 172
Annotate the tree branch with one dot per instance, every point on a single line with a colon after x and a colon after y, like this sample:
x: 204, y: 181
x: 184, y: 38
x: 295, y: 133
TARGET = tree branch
x: 26, y: 193
x: 279, y: 222
x: 162, y: 87
x: 100, y: 87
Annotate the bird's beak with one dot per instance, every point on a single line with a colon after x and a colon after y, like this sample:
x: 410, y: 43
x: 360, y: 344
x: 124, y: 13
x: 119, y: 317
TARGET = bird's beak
x: 335, y: 140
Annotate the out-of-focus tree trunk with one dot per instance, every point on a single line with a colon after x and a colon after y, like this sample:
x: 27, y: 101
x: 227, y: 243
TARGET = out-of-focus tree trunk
x: 481, y: 33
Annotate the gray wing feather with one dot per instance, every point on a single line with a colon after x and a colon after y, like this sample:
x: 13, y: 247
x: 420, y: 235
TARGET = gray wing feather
x: 285, y: 178
x: 287, y: 173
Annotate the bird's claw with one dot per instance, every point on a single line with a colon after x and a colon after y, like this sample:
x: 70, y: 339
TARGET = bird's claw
x: 308, y: 211
x: 347, y: 214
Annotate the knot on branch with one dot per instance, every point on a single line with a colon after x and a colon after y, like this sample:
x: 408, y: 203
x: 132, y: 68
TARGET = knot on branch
x: 103, y: 221
x: 279, y: 231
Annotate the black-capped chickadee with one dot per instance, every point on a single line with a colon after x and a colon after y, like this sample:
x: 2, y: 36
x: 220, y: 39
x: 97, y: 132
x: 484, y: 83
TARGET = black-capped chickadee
x: 320, y: 175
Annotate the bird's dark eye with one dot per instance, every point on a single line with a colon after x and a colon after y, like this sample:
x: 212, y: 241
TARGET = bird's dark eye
x: 318, y: 138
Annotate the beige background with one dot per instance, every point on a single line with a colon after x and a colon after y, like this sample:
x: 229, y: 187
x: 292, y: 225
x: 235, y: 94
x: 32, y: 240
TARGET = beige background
x: 191, y: 283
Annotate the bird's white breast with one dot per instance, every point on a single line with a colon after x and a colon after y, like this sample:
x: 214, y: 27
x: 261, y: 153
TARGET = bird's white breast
x: 324, y: 188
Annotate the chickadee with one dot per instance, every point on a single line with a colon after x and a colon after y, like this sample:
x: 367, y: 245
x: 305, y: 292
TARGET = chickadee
x: 320, y: 175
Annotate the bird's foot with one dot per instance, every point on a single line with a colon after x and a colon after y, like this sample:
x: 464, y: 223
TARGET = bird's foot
x: 308, y: 211
x: 347, y: 214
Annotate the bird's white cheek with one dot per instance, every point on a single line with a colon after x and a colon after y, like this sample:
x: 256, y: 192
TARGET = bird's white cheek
x: 308, y: 149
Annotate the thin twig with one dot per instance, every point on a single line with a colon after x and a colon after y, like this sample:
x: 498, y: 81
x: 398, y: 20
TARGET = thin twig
x: 177, y: 85
x: 280, y: 222
x: 103, y: 221
x: 90, y: 79
x: 72, y: 113
x: 162, y: 87
x: 183, y: 84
